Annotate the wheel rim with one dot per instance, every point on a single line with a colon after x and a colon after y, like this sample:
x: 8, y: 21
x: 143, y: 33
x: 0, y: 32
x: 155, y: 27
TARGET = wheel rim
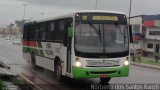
x: 58, y: 71
x: 33, y: 61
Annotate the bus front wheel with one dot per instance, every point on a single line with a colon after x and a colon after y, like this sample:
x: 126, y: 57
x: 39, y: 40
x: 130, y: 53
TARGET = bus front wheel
x: 105, y: 80
x: 58, y: 71
x: 33, y: 61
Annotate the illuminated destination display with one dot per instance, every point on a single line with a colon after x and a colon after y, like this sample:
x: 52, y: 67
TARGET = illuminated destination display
x: 110, y: 18
x: 84, y: 17
x: 100, y: 17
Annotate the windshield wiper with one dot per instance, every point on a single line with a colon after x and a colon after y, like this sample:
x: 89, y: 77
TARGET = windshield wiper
x: 98, y: 32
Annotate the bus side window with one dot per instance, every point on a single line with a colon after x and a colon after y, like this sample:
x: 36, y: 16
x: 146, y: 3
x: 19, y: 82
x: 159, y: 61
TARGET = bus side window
x: 60, y: 30
x: 50, y: 31
x: 29, y: 32
x: 42, y: 31
x: 25, y: 32
x: 36, y: 32
x: 32, y: 32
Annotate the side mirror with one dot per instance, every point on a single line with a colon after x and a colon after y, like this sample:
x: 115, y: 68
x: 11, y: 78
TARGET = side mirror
x: 130, y: 34
x: 68, y: 36
x: 70, y: 32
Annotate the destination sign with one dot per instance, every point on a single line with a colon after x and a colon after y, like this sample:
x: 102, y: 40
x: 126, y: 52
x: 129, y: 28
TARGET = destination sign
x: 110, y: 18
x: 100, y: 17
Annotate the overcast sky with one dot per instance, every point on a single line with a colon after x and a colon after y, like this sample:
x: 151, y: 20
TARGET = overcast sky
x: 11, y: 10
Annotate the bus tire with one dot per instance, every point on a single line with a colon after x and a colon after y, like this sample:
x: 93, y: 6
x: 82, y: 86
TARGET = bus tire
x: 105, y: 80
x: 33, y: 61
x: 58, y: 71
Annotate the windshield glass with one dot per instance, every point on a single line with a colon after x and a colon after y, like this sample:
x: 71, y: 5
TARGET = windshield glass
x: 101, y: 38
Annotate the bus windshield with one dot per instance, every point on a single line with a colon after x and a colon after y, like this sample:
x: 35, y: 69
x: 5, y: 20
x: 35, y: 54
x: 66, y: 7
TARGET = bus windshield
x: 101, y: 38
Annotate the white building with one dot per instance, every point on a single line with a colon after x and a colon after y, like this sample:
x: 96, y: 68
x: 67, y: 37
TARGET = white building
x: 148, y: 26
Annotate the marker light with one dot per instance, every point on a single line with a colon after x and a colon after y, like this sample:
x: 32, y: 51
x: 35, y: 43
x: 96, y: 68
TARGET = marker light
x: 77, y: 15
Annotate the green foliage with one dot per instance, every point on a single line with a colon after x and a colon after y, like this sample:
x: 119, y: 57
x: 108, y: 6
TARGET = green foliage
x: 17, y: 81
x: 149, y: 61
x: 157, y: 54
x: 19, y: 23
x: 20, y: 83
x: 3, y: 86
x: 135, y: 42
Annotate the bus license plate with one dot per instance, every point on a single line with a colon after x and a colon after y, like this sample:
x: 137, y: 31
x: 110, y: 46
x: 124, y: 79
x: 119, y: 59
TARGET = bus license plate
x: 103, y: 75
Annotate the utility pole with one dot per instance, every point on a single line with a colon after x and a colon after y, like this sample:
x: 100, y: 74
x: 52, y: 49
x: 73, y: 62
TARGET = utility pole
x: 95, y: 5
x: 130, y: 9
x: 24, y: 11
x: 23, y: 20
x: 42, y: 14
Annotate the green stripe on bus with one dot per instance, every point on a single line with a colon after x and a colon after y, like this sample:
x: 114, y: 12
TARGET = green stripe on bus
x: 35, y: 51
x: 26, y: 49
x: 30, y: 50
x: 41, y: 53
x: 97, y: 72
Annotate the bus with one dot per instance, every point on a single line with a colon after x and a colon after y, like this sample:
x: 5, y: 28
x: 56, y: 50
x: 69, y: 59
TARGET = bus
x: 81, y: 44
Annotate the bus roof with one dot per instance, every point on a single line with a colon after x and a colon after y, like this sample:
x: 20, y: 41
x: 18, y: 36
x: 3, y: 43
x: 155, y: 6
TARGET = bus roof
x: 71, y: 14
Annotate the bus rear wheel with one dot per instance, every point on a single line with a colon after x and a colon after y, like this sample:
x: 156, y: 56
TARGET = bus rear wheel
x: 33, y: 61
x: 58, y: 71
x: 105, y: 80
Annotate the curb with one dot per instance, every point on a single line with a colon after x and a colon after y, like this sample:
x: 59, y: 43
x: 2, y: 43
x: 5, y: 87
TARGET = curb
x: 145, y: 65
x: 5, y: 65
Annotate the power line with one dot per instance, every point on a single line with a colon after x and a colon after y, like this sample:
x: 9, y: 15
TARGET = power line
x: 24, y: 12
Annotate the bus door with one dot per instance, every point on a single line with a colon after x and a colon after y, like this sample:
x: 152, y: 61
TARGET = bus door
x: 69, y: 45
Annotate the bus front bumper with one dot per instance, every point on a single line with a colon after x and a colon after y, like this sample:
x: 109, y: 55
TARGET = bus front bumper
x: 98, y: 72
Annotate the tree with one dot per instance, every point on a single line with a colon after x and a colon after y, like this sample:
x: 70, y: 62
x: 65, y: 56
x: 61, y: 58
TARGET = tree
x: 19, y: 23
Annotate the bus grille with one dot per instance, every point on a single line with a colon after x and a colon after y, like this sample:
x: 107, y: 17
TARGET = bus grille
x: 102, y: 63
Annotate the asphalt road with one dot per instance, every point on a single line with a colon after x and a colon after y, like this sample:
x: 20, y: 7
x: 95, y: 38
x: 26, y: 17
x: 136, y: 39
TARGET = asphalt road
x: 45, y: 78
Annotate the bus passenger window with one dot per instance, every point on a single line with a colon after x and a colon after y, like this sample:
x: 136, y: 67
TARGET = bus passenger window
x: 50, y: 31
x: 43, y: 31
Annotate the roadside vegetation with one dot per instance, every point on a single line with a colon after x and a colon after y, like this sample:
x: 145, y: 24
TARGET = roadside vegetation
x: 3, y: 86
x: 16, y: 81
x: 145, y: 60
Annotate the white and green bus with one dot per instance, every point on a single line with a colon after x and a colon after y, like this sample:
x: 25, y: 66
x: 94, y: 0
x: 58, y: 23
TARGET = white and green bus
x: 83, y: 44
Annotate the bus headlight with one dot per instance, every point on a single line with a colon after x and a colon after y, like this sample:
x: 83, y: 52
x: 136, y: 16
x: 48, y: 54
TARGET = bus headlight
x: 78, y: 63
x: 126, y: 63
